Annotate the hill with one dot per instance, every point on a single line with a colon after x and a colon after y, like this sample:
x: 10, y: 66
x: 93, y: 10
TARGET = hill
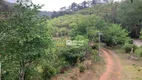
x: 5, y: 6
x: 45, y: 13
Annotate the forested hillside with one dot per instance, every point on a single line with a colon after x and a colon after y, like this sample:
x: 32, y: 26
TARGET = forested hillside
x: 76, y: 7
x: 34, y: 47
x: 126, y: 13
x: 5, y: 6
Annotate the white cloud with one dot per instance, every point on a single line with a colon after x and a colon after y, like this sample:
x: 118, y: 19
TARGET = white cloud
x: 50, y: 5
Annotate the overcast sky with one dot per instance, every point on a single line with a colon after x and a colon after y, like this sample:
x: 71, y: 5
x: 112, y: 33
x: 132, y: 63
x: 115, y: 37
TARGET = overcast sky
x: 53, y: 5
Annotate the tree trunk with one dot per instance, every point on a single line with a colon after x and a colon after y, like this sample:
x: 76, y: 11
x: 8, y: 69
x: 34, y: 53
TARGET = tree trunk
x: 135, y: 31
x: 22, y: 71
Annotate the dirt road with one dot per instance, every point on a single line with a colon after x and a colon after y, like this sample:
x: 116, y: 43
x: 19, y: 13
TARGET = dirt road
x: 112, y: 71
x: 113, y: 66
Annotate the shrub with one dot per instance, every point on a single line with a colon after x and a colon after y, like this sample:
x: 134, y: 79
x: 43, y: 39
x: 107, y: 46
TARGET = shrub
x: 48, y: 72
x: 114, y: 34
x: 138, y: 51
x: 64, y: 69
x: 128, y: 47
x: 72, y: 54
x: 95, y: 56
x: 95, y: 46
x: 81, y: 67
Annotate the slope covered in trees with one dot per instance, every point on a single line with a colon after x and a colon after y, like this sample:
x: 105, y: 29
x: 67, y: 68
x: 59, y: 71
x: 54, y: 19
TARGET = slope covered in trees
x: 76, y: 7
x: 126, y: 13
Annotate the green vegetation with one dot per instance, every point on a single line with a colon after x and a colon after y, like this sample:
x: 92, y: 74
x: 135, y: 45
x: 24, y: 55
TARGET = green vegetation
x: 94, y: 56
x: 82, y: 67
x: 128, y: 47
x: 138, y: 51
x: 114, y: 35
x: 34, y: 48
x: 119, y: 13
x: 133, y: 24
x: 141, y: 34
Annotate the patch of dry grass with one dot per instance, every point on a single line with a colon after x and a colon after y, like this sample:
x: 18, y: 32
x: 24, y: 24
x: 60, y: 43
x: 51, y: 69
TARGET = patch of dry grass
x: 131, y: 69
x: 132, y: 73
x: 92, y: 73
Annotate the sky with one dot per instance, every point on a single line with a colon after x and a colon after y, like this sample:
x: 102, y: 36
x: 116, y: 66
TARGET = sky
x: 53, y: 5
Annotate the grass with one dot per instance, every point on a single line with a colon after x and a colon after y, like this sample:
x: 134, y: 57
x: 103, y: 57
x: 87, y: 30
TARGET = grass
x: 132, y: 73
x: 131, y: 70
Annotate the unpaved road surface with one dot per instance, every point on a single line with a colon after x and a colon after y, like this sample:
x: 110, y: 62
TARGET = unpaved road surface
x: 113, y: 66
x: 112, y: 71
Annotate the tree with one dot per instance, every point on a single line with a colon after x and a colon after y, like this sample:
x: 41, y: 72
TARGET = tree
x: 54, y: 14
x: 131, y: 1
x: 84, y: 4
x: 87, y: 24
x: 74, y: 6
x: 63, y: 32
x: 73, y: 25
x: 3, y: 6
x: 24, y: 39
x: 94, y: 2
x: 114, y: 34
x: 133, y: 23
x: 93, y: 34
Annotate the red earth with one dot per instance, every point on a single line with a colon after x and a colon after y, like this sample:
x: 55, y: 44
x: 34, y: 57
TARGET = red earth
x: 112, y: 71
x: 113, y: 66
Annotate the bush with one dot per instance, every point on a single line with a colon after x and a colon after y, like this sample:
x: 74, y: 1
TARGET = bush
x: 95, y: 46
x: 81, y: 67
x: 48, y: 72
x: 128, y: 47
x: 138, y: 51
x: 114, y: 35
x: 95, y: 56
x: 141, y: 34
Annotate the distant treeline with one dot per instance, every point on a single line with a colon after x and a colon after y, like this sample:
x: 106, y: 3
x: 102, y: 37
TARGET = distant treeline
x: 6, y: 6
x: 75, y: 7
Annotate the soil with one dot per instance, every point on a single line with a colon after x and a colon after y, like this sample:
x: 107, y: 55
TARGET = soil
x: 93, y: 73
x: 113, y: 66
x: 97, y: 71
x: 131, y: 69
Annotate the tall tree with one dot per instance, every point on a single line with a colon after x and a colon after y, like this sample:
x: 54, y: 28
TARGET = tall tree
x: 3, y: 6
x: 74, y: 6
x: 114, y: 34
x: 129, y: 16
x: 24, y: 39
x: 84, y: 4
x: 131, y: 1
x: 63, y: 9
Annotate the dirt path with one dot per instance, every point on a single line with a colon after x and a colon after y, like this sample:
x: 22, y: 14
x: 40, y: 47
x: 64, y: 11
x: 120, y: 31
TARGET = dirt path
x: 112, y: 71
x: 113, y: 66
